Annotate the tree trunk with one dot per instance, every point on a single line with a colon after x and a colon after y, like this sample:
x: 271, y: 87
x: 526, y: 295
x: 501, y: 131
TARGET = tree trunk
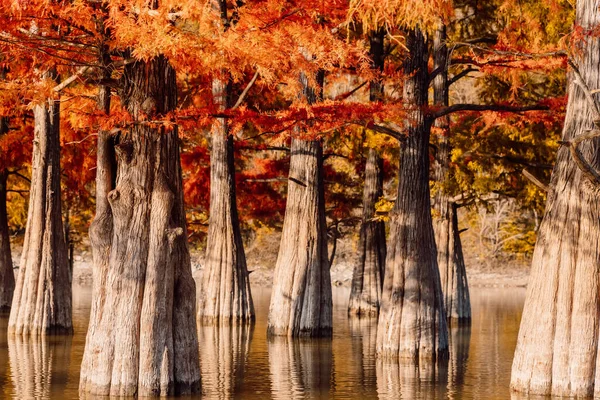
x: 42, y: 298
x: 412, y: 321
x: 142, y: 337
x: 450, y: 258
x: 7, y: 277
x: 367, y: 279
x: 225, y: 295
x: 557, y: 349
x: 301, y: 303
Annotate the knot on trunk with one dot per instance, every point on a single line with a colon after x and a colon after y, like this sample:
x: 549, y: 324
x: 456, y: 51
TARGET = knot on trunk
x: 113, y: 196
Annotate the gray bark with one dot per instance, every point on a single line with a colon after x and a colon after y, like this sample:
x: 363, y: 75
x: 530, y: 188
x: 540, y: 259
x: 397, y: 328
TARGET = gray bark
x: 367, y: 279
x: 7, y: 278
x: 142, y: 337
x: 225, y: 295
x: 450, y: 258
x: 301, y: 303
x: 412, y: 322
x: 557, y: 349
x: 42, y: 298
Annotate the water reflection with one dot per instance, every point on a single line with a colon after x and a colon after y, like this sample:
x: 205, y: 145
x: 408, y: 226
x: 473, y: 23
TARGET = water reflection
x: 37, y: 364
x: 300, y: 368
x: 224, y: 356
x: 242, y: 363
x: 364, y: 340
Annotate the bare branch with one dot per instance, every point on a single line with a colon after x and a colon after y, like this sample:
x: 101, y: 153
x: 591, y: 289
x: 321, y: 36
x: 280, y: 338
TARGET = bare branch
x: 486, y: 107
x: 541, y: 185
x: 586, y: 169
x: 245, y: 92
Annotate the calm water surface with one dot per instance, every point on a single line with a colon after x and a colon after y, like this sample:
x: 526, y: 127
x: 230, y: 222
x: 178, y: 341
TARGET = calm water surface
x: 242, y: 363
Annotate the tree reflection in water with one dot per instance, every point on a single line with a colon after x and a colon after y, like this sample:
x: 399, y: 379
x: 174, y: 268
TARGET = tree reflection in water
x: 39, y: 364
x: 224, y: 357
x: 300, y: 368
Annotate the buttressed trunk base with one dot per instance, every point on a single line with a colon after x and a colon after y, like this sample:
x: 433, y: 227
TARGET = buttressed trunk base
x: 42, y: 298
x: 301, y: 303
x: 557, y: 349
x: 412, y: 321
x: 142, y: 337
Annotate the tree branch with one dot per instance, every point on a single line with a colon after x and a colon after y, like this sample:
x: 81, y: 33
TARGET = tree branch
x: 245, y: 92
x: 486, y: 107
x: 541, y: 185
x: 586, y: 169
x: 461, y: 74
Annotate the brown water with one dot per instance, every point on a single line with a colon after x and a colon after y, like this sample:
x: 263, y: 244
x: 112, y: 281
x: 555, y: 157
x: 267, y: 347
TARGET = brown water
x: 242, y: 363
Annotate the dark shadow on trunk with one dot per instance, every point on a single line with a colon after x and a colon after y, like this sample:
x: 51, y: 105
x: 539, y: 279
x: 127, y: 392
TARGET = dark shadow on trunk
x: 450, y: 258
x: 7, y: 277
x: 367, y: 278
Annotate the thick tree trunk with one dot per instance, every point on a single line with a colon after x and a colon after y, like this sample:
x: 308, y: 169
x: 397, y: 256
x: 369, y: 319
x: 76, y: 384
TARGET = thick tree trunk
x: 557, y: 349
x: 451, y: 262
x: 224, y: 356
x: 7, y: 277
x: 301, y: 303
x: 367, y: 279
x: 42, y: 298
x: 142, y: 337
x: 225, y: 294
x: 412, y: 321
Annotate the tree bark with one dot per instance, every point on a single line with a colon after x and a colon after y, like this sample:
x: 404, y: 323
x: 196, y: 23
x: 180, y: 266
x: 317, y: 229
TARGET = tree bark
x: 7, y: 277
x: 42, y: 298
x: 449, y: 248
x: 412, y: 321
x: 301, y: 303
x: 225, y: 295
x: 367, y: 279
x: 142, y: 337
x: 557, y: 349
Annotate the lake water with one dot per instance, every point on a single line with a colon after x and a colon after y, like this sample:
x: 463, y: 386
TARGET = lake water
x: 242, y: 363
